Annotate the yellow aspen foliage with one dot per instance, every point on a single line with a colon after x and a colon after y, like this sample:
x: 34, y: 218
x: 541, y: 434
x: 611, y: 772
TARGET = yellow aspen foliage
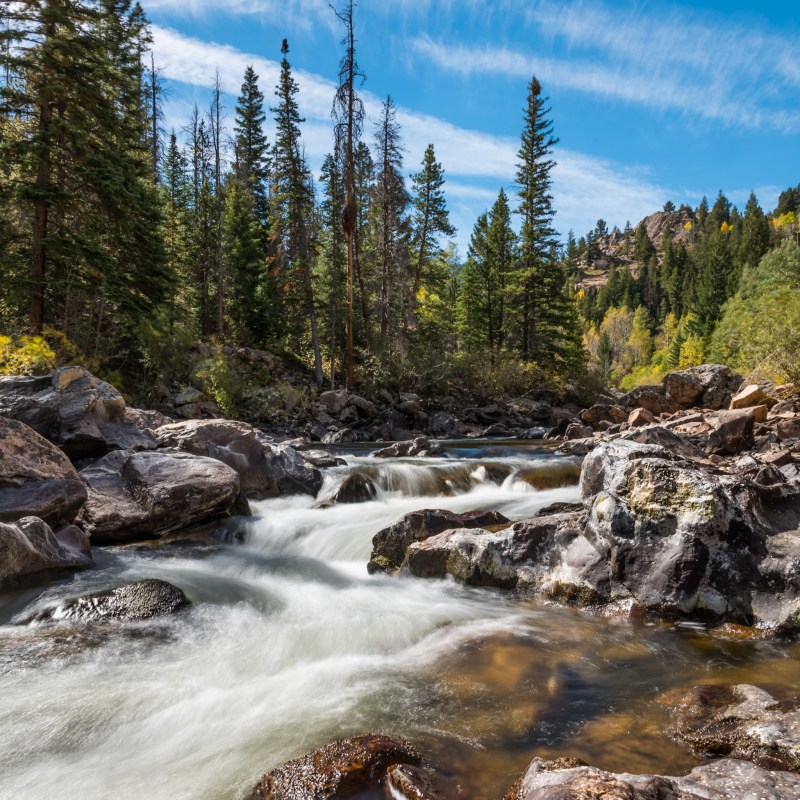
x: 726, y: 227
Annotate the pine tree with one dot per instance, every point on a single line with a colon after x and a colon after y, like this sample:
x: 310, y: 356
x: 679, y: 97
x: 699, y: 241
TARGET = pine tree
x: 539, y: 283
x: 390, y: 202
x: 292, y: 210
x: 755, y: 236
x: 502, y: 252
x: 430, y: 218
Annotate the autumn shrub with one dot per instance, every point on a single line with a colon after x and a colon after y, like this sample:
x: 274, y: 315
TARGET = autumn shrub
x: 26, y: 355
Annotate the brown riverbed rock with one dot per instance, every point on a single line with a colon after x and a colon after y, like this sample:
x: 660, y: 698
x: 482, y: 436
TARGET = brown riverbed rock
x: 265, y: 469
x: 146, y: 495
x: 727, y: 779
x: 707, y: 386
x: 740, y: 721
x: 71, y: 408
x: 338, y: 770
x: 29, y: 548
x: 733, y: 432
x: 390, y: 544
x: 36, y: 478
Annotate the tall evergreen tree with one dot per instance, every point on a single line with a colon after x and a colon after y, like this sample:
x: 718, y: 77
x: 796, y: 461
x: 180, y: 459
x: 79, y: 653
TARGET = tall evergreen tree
x: 292, y: 210
x: 431, y: 218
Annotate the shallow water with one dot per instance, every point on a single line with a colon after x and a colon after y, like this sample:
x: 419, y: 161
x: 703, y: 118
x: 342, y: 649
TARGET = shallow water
x: 291, y: 644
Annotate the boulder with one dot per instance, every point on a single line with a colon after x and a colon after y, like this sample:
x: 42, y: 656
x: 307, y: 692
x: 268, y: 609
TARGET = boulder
x: 344, y: 436
x: 601, y: 412
x: 740, y: 722
x: 389, y: 545
x: 346, y: 768
x: 419, y: 446
x: 130, y: 603
x: 788, y: 429
x: 407, y: 782
x: 364, y: 406
x: 748, y: 396
x: 334, y: 401
x: 657, y: 434
x: 36, y: 478
x: 726, y: 779
x: 578, y: 431
x: 29, y: 547
x: 639, y: 417
x: 265, y: 470
x: 145, y: 495
x: 733, y: 433
x: 188, y: 396
x: 349, y: 416
x: 652, y: 398
x: 707, y: 386
x: 442, y: 423
x: 71, y: 408
x: 355, y: 488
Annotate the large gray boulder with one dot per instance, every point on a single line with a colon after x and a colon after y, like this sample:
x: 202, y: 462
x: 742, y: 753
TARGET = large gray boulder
x: 36, y: 478
x: 707, y: 386
x: 83, y: 415
x: 146, y: 495
x: 727, y: 779
x: 265, y: 469
x: 29, y: 547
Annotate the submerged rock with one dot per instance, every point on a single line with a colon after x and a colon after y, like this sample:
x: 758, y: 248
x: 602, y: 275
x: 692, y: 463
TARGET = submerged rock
x: 133, y: 602
x: 145, y: 495
x: 406, y: 782
x: 265, y: 470
x: 389, y: 545
x: 338, y: 770
x: 726, y: 779
x: 29, y: 547
x: 36, y: 478
x: 741, y: 722
x: 355, y: 488
x: 83, y: 415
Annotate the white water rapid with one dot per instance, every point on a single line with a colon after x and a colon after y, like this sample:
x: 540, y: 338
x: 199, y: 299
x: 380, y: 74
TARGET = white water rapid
x: 291, y: 644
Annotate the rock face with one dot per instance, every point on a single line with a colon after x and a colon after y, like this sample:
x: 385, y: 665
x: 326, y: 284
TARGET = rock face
x: 145, y: 495
x: 29, y: 546
x: 71, y: 408
x: 130, y: 603
x: 726, y: 779
x: 390, y: 544
x: 740, y: 722
x: 36, y: 478
x: 707, y: 386
x: 339, y: 770
x: 264, y: 470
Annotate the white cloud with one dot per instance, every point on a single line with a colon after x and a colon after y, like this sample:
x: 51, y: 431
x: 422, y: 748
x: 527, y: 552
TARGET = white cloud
x: 476, y: 163
x: 661, y: 58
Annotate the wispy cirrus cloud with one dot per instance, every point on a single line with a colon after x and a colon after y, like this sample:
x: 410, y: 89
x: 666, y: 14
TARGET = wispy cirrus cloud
x: 663, y: 58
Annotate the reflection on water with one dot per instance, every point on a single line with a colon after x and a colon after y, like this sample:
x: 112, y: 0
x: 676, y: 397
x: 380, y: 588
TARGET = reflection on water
x: 291, y: 644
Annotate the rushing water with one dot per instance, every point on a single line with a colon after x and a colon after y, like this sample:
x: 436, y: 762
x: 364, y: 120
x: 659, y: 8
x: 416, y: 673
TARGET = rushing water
x: 291, y: 644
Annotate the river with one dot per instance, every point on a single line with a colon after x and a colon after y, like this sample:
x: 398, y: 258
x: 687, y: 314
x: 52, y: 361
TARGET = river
x: 291, y: 644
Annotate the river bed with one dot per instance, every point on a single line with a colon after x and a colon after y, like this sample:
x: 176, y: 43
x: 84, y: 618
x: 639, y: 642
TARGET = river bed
x: 291, y: 644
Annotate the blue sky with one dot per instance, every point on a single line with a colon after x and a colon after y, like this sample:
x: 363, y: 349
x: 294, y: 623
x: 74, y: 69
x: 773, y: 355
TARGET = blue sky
x: 651, y: 101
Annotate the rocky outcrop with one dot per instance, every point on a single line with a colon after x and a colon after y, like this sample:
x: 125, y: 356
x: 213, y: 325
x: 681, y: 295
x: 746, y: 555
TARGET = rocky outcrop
x: 130, y: 603
x: 146, y: 495
x: 346, y: 768
x: 727, y: 779
x: 71, y: 408
x: 29, y: 548
x: 265, y: 469
x: 389, y: 545
x: 742, y: 722
x: 36, y: 478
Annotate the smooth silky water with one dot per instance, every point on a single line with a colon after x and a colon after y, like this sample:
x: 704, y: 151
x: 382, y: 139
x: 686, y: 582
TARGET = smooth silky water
x: 291, y: 644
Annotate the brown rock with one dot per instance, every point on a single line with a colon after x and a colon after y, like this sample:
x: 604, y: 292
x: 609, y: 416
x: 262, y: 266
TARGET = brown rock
x: 338, y: 770
x: 760, y: 413
x: 733, y: 434
x: 29, y: 547
x: 578, y: 431
x: 639, y: 417
x: 36, y: 478
x: 788, y: 428
x: 751, y: 395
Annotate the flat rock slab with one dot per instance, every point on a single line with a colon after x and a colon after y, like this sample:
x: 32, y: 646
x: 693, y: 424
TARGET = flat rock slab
x: 338, y: 770
x: 29, y: 548
x: 149, y: 494
x: 727, y: 779
x: 36, y: 478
